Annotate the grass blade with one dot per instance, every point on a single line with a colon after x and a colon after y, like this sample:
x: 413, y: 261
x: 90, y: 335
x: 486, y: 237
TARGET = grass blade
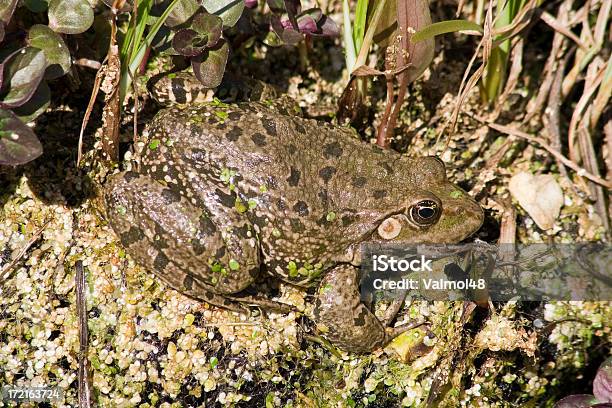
x: 361, y: 15
x: 347, y: 33
x: 445, y: 27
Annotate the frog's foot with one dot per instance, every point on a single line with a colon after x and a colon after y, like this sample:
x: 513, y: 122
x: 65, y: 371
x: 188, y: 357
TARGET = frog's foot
x: 346, y: 321
x: 342, y: 318
x: 393, y: 332
x: 394, y: 308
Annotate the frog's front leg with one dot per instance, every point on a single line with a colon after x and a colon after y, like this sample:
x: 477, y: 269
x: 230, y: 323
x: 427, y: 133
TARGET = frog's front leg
x: 344, y: 319
x: 178, y: 241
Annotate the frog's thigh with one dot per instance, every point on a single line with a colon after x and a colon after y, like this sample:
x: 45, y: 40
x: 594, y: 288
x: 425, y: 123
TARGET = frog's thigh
x: 339, y: 313
x: 176, y: 240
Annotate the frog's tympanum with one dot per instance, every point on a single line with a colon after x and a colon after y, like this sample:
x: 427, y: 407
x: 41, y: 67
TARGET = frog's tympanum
x: 227, y: 193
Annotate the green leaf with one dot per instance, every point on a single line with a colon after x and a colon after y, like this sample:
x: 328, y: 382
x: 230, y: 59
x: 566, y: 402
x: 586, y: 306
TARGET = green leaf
x: 36, y: 6
x: 361, y: 14
x: 22, y: 71
x: 444, y: 27
x: 213, y: 362
x: 210, y: 66
x: 18, y: 144
x: 182, y: 12
x: 129, y: 67
x: 229, y: 11
x: 56, y: 52
x: 70, y: 16
x: 36, y: 105
x: 347, y: 34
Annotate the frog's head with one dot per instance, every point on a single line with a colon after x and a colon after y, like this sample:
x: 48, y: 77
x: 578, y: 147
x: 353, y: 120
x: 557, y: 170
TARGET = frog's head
x: 434, y: 210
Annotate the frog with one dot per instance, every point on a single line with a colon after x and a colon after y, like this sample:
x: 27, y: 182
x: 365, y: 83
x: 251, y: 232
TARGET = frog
x: 226, y: 194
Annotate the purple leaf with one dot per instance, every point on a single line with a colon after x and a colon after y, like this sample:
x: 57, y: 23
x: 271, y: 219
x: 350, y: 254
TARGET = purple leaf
x: 22, y: 72
x: 323, y: 25
x: 276, y: 6
x: 182, y: 12
x: 54, y: 47
x: 189, y: 43
x: 228, y: 10
x: 286, y: 35
x: 7, y: 7
x: 293, y: 8
x: 307, y: 24
x: 328, y: 27
x: 250, y: 3
x: 205, y: 32
x: 314, y: 13
x: 36, y: 105
x: 210, y: 25
x: 18, y: 144
x: 310, y: 22
x: 602, y: 384
x: 70, y: 16
x: 576, y: 401
x: 209, y: 67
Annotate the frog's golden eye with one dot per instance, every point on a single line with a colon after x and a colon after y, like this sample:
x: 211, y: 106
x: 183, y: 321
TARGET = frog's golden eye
x: 425, y: 213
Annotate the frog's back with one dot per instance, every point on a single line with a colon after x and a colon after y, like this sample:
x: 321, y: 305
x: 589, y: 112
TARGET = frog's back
x: 298, y: 180
x: 269, y: 148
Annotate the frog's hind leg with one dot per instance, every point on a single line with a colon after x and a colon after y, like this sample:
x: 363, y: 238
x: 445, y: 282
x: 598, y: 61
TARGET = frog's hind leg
x: 177, y: 241
x: 342, y: 317
x: 346, y: 321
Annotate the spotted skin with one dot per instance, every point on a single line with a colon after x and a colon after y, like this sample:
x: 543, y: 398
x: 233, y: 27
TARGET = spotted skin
x: 182, y: 87
x: 225, y: 189
x: 338, y: 300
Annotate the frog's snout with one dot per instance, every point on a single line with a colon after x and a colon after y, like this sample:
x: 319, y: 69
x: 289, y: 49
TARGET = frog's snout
x: 462, y: 219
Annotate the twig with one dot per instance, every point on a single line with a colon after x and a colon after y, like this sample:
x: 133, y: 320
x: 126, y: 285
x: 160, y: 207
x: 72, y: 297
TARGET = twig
x: 551, y: 118
x: 4, y: 271
x: 560, y: 27
x: 90, y: 105
x: 84, y: 366
x: 579, y: 110
x: 583, y: 57
x: 519, y: 23
x: 603, y: 95
x: 88, y: 63
x: 231, y: 324
x: 607, y: 131
x: 585, y: 141
x: 534, y: 139
x: 468, y: 82
x: 513, y: 76
x: 590, y: 163
x: 551, y: 67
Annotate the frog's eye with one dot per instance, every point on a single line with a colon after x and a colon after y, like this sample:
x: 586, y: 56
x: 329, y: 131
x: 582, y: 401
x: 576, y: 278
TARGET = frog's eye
x: 425, y: 213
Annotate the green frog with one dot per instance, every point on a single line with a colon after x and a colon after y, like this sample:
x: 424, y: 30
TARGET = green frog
x: 227, y: 193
